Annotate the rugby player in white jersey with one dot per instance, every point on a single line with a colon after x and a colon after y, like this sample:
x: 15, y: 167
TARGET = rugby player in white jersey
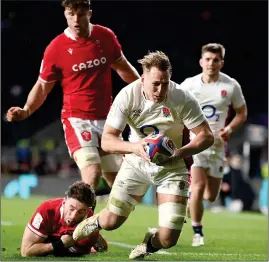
x: 151, y: 104
x: 215, y: 92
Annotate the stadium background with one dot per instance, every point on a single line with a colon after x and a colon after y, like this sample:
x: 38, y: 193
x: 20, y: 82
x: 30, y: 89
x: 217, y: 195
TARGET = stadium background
x: 36, y: 145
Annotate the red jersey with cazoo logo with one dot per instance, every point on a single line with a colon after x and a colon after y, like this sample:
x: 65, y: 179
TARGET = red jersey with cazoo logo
x: 82, y: 65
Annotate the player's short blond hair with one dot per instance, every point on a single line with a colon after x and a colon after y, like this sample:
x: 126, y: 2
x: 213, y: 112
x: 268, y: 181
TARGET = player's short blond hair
x: 214, y: 48
x: 75, y: 4
x: 156, y: 59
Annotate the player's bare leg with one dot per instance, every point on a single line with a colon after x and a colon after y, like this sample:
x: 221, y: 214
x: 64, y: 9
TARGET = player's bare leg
x: 198, y: 185
x: 170, y: 207
x: 109, y: 177
x: 212, y: 188
x: 110, y: 164
x: 91, y: 174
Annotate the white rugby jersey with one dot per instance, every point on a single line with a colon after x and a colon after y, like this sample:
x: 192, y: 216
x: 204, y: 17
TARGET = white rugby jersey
x: 215, y: 98
x: 144, y: 117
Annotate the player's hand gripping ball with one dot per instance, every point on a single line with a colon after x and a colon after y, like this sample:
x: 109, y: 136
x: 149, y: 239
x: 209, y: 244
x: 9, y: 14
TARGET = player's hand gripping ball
x: 159, y: 148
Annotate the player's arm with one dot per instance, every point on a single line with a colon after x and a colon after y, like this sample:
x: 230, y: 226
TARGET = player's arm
x: 111, y: 143
x: 48, y: 76
x: 35, y: 99
x: 194, y: 119
x: 125, y: 70
x: 204, y: 139
x: 239, y: 118
x: 33, y: 244
x: 240, y: 107
x: 115, y: 124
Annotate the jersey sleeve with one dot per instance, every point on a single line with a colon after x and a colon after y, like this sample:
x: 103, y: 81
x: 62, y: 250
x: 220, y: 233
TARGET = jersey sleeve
x: 39, y: 221
x: 192, y: 114
x: 48, y: 69
x: 118, y: 114
x: 115, y: 47
x: 237, y: 98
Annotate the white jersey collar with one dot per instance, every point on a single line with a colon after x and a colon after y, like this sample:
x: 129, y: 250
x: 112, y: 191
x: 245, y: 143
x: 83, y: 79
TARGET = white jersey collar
x: 212, y: 83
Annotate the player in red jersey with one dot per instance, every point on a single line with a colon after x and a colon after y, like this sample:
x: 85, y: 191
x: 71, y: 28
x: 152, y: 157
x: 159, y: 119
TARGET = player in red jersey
x: 81, y: 58
x: 50, y: 229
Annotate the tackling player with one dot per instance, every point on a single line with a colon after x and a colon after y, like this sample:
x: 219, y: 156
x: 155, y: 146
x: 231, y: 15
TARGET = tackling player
x: 81, y: 58
x: 50, y: 229
x: 215, y: 92
x: 151, y: 104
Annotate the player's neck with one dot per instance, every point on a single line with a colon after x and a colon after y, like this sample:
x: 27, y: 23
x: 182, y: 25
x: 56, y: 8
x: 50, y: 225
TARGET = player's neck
x: 84, y: 34
x: 209, y: 79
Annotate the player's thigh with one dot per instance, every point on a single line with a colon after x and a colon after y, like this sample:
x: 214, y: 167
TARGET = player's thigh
x: 198, y: 177
x: 127, y: 191
x: 110, y: 163
x: 215, y: 175
x: 198, y: 170
x: 216, y: 165
x: 79, y: 133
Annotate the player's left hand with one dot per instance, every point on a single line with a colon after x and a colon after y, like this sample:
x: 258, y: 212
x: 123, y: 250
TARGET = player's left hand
x: 176, y: 156
x: 225, y: 133
x: 68, y: 241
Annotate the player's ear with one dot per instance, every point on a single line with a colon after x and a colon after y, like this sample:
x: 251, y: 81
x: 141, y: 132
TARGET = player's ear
x: 201, y: 62
x: 142, y: 78
x: 222, y: 63
x: 90, y: 14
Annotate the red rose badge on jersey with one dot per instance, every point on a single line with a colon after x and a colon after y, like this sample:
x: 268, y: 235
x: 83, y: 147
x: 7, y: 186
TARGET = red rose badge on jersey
x: 166, y: 112
x: 86, y: 135
x: 223, y: 93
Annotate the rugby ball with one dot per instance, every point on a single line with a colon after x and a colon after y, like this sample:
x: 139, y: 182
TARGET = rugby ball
x: 159, y: 148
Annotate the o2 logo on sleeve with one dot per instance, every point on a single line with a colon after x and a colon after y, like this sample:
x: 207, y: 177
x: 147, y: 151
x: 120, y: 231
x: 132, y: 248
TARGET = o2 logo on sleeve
x: 210, y: 112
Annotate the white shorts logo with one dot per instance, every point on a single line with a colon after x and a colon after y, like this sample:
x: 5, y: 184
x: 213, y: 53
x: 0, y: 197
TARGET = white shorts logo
x: 37, y: 221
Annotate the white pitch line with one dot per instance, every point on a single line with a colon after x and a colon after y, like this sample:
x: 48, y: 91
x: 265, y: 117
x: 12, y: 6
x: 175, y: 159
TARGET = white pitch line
x: 7, y: 223
x: 161, y: 252
x: 221, y: 254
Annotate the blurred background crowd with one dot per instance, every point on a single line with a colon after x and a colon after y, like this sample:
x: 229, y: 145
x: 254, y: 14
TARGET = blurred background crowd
x: 178, y: 28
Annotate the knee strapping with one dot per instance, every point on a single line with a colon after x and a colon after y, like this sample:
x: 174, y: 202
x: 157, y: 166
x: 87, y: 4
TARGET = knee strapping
x: 121, y: 204
x: 172, y: 215
x: 86, y: 156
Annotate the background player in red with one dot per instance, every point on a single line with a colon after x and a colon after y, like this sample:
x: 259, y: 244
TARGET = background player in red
x: 50, y: 229
x: 81, y: 58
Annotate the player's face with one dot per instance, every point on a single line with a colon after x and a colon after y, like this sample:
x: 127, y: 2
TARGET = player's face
x: 74, y: 211
x: 78, y: 21
x: 155, y: 84
x: 211, y: 63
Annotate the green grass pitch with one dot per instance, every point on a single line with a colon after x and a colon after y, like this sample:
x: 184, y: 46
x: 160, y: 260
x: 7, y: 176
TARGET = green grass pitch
x: 228, y: 236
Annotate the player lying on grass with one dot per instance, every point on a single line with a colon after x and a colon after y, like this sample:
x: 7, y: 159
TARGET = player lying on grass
x: 51, y: 227
x: 156, y: 104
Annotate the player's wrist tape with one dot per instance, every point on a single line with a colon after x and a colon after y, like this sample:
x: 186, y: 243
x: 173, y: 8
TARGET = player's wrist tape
x: 58, y: 248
